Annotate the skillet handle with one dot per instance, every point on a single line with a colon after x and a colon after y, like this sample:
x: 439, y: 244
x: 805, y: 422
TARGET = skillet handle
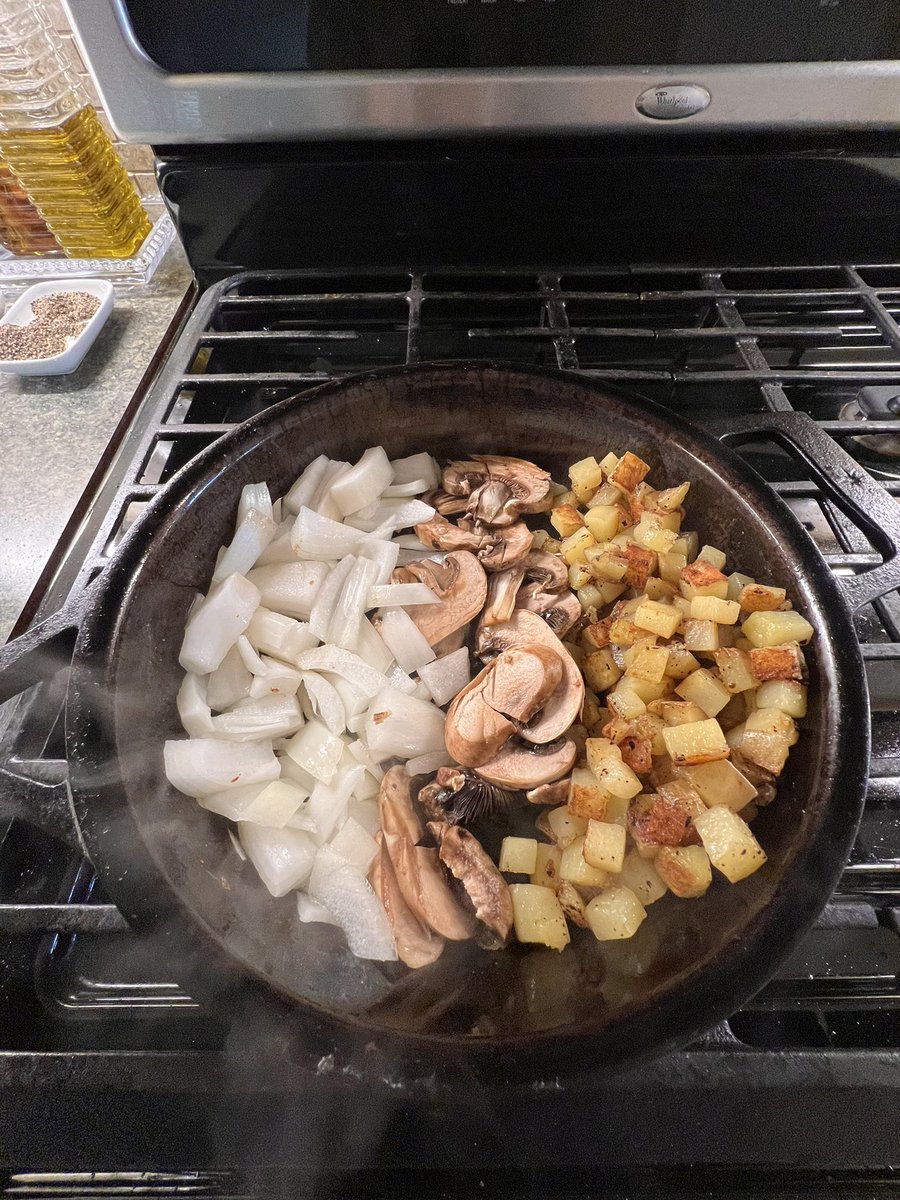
x: 846, y: 484
x: 41, y: 651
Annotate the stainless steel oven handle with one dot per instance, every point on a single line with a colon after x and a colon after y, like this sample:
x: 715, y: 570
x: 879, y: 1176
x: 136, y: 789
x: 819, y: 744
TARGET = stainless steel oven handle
x: 845, y: 483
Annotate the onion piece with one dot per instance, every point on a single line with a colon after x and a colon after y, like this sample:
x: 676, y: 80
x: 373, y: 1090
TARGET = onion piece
x: 354, y: 906
x: 427, y: 764
x: 303, y: 490
x: 397, y: 678
x: 400, y: 595
x: 327, y: 600
x: 251, y: 660
x: 270, y: 717
x: 324, y: 503
x: 345, y: 663
x: 325, y: 701
x: 343, y: 629
x: 371, y: 648
x: 283, y: 857
x: 196, y: 718
x: 255, y: 497
x: 273, y: 633
x: 290, y: 588
x: 316, y: 750
x: 416, y: 466
x: 203, y: 766
x: 364, y: 482
x: 365, y: 759
x: 293, y: 771
x: 279, y: 680
x: 319, y: 538
x: 311, y: 912
x: 329, y: 803
x: 366, y: 812
x: 252, y: 536
x: 356, y: 845
x: 415, y: 487
x: 217, y: 623
x: 402, y: 726
x: 385, y: 554
x: 447, y: 676
x: 270, y: 804
x: 352, y: 698
x: 280, y: 549
x: 229, y: 683
x: 391, y: 515
x: 404, y: 640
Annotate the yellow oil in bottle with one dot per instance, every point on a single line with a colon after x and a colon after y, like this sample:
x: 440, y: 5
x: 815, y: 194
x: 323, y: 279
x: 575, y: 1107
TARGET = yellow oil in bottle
x: 75, y: 180
x: 22, y: 228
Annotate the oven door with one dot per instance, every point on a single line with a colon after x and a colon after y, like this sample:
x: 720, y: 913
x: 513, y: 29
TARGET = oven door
x: 228, y: 71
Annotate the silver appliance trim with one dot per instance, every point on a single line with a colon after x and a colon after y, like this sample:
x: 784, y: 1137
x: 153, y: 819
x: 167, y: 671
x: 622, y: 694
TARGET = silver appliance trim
x: 145, y: 104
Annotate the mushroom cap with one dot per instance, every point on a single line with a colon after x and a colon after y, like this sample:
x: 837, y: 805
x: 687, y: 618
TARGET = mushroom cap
x: 416, y: 945
x: 499, y: 488
x: 500, y: 548
x: 549, y: 793
x: 464, y: 856
x: 521, y: 767
x: 502, y: 595
x: 460, y: 583
x: 563, y: 707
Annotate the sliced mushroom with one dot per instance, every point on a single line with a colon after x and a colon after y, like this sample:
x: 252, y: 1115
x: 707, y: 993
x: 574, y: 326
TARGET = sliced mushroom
x: 550, y: 793
x: 499, y: 488
x: 506, y: 694
x: 461, y: 797
x: 460, y: 583
x: 564, y: 615
x: 546, y: 591
x: 501, y: 548
x: 446, y: 504
x: 420, y: 876
x: 453, y: 641
x: 521, y: 767
x: 563, y: 707
x: 503, y: 587
x: 485, y: 887
x: 417, y: 946
x: 441, y: 534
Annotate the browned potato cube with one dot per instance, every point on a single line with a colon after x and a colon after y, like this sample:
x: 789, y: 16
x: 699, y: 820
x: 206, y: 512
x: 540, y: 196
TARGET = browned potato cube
x: 702, y: 688
x: 736, y: 670
x: 587, y: 796
x: 661, y: 619
x: 585, y: 477
x: 670, y: 567
x: 703, y: 579
x: 649, y: 664
x: 604, y: 846
x: 676, y: 712
x: 671, y: 499
x: 699, y: 742
x: 571, y: 903
x: 575, y: 544
x: 600, y: 670
x: 546, y: 868
x: 641, y: 565
x: 778, y: 662
x: 565, y: 519
x: 603, y: 521
x: 576, y: 869
x: 756, y: 597
x: 700, y: 637
x: 629, y: 471
x: 684, y: 870
x: 730, y: 843
x: 681, y: 661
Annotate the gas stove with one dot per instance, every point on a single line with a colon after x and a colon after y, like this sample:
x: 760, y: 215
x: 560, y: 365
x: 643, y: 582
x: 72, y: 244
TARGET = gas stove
x: 113, y: 1079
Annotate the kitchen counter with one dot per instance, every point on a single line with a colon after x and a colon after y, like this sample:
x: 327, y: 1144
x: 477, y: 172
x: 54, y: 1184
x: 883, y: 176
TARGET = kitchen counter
x: 55, y: 428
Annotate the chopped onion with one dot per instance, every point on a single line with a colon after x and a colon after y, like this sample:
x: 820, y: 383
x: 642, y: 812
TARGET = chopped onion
x: 364, y: 482
x: 427, y: 764
x: 283, y: 857
x: 279, y: 680
x: 354, y: 906
x: 328, y: 803
x: 343, y: 629
x: 356, y: 845
x: 324, y: 503
x: 229, y: 683
x: 290, y: 588
x: 202, y: 766
x: 365, y: 759
x: 371, y: 648
x: 414, y: 488
x: 272, y: 633
x: 403, y: 727
x: 447, y: 676
x: 303, y: 491
x: 316, y: 750
x: 402, y: 637
x: 254, y: 498
x: 196, y: 719
x: 385, y: 554
x: 252, y: 536
x: 270, y: 717
x: 353, y: 700
x: 420, y: 691
x: 327, y: 600
x: 271, y: 804
x: 416, y: 466
x: 325, y: 701
x: 302, y: 820
x: 396, y: 677
x: 366, y: 812
x: 311, y: 912
x: 251, y: 660
x: 319, y: 538
x: 391, y: 515
x: 277, y: 513
x: 400, y: 595
x: 345, y: 663
x: 280, y: 549
x: 409, y: 541
x: 292, y: 770
x: 216, y: 624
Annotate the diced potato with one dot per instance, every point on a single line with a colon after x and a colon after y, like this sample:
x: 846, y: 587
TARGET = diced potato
x: 734, y: 711
x: 629, y: 471
x: 566, y: 519
x: 538, y: 917
x: 703, y: 579
x: 776, y: 628
x: 685, y: 870
x: 778, y: 662
x: 785, y: 694
x: 518, y: 855
x: 735, y: 735
x: 702, y: 688
x: 600, y: 670
x: 546, y: 866
x: 671, y: 565
x: 729, y: 842
x: 701, y: 637
x: 579, y: 575
x: 552, y: 546
x: 609, y: 591
x: 767, y: 739
x: 575, y: 544
x: 756, y: 597
x: 609, y: 463
x: 677, y: 712
x: 661, y: 619
x: 585, y: 476
x: 772, y: 720
x: 736, y: 670
x: 539, y: 538
x: 641, y: 565
x: 616, y: 811
x: 590, y: 597
x: 572, y: 904
x: 596, y: 635
x: 683, y: 606
x: 711, y: 555
x: 682, y: 795
x: 736, y: 584
x: 698, y: 742
x: 565, y: 825
x: 575, y: 868
x: 711, y: 608
x: 721, y: 783
x: 650, y: 533
x: 604, y: 846
x: 603, y: 521
x: 681, y: 662
x: 688, y: 544
x: 610, y: 771
x: 615, y: 914
x: 671, y: 498
x: 607, y: 563
x: 624, y: 632
x: 607, y: 493
x: 657, y: 589
x: 670, y: 520
x: 624, y: 702
x: 587, y: 796
x: 578, y: 655
x: 649, y: 664
x: 641, y: 876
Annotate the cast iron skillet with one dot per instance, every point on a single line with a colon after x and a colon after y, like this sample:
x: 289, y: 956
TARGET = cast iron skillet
x: 170, y: 866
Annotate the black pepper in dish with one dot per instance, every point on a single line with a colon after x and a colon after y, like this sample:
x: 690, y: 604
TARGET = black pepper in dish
x: 56, y: 319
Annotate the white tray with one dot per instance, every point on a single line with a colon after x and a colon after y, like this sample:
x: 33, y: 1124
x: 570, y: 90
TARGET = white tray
x: 69, y: 359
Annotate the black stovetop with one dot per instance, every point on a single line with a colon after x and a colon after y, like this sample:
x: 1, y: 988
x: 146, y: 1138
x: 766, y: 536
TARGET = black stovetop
x: 107, y: 1065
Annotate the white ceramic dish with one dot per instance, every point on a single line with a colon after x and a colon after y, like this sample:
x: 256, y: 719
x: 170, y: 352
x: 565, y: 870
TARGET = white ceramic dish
x: 59, y: 364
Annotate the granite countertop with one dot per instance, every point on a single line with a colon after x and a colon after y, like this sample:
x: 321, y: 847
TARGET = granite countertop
x: 55, y: 428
